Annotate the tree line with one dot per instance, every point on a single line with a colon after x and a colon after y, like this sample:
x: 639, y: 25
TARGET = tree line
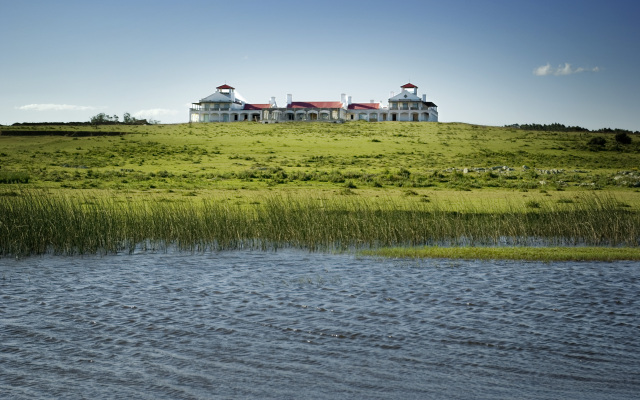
x: 127, y: 119
x: 99, y: 119
x: 556, y: 127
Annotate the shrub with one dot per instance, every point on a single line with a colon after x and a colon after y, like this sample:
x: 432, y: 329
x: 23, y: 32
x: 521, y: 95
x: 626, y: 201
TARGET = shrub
x: 597, y: 141
x: 623, y: 138
x: 533, y: 204
x: 14, y: 177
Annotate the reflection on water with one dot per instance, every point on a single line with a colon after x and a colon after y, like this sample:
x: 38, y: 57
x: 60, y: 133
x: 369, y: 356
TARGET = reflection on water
x: 291, y: 324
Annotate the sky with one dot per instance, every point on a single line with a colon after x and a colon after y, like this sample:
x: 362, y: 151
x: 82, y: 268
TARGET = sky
x: 488, y: 62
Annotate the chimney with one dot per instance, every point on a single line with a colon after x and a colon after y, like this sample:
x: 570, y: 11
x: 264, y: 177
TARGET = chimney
x: 424, y: 98
x: 392, y: 94
x: 289, y: 99
x: 343, y: 99
x: 349, y: 100
x: 372, y: 101
x: 272, y: 102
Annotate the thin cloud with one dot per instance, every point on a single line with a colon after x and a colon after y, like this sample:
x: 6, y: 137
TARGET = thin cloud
x: 562, y: 70
x: 54, y: 107
x: 154, y: 113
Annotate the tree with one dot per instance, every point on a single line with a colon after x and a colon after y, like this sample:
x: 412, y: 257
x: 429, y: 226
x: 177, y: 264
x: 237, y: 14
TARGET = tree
x: 103, y: 118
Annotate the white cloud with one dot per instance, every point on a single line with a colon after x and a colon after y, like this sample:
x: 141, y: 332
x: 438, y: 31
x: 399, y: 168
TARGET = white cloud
x: 154, y: 113
x: 565, y: 69
x: 54, y: 107
x: 543, y: 70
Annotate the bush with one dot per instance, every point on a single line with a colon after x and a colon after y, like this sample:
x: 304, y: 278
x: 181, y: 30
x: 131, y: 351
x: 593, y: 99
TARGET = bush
x: 597, y: 141
x: 623, y: 138
x: 14, y: 177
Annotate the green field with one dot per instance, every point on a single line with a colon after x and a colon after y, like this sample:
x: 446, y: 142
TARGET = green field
x: 440, y: 172
x: 417, y: 160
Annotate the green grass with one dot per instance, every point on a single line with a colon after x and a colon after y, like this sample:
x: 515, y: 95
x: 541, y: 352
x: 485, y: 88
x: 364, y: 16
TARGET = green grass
x: 511, y: 253
x: 310, y: 185
x: 302, y: 156
x: 41, y: 222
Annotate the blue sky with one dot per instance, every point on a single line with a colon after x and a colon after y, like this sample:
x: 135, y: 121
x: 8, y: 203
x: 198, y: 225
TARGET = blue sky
x: 485, y: 62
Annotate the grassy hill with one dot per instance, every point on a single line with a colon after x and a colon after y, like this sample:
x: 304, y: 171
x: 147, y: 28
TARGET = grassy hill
x: 452, y: 162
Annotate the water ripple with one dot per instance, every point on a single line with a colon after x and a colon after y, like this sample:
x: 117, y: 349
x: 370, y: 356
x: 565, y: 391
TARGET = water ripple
x: 295, y: 324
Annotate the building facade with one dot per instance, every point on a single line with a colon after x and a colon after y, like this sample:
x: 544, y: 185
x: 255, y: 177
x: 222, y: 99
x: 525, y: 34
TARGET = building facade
x: 227, y: 105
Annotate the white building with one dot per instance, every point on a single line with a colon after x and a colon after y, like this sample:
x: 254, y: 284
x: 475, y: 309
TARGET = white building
x: 226, y: 105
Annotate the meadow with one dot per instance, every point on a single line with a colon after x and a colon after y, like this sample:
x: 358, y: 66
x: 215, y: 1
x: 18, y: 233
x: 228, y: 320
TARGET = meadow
x: 390, y: 183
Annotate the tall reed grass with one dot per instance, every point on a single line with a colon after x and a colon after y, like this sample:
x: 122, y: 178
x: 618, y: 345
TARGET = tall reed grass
x: 35, y: 223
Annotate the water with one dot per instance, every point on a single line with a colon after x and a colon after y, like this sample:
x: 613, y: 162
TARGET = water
x: 290, y: 324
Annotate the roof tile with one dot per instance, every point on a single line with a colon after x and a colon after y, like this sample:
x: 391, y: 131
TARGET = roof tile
x: 409, y: 86
x: 256, y: 106
x: 364, y: 106
x: 315, y: 104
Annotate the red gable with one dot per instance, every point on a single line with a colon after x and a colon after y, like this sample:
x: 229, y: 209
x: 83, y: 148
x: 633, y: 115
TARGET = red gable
x: 315, y: 104
x: 409, y: 86
x: 364, y: 106
x: 256, y: 106
x: 225, y: 86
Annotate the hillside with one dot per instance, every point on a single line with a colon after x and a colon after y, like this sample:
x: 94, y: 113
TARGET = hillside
x: 409, y: 159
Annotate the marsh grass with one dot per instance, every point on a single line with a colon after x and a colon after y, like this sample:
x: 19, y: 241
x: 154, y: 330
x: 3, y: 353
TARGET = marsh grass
x: 36, y: 222
x: 547, y: 254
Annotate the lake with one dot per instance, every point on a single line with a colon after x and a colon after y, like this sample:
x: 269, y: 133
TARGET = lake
x: 294, y: 324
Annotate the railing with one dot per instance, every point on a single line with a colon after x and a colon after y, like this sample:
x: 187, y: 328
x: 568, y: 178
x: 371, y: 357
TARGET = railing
x: 211, y: 109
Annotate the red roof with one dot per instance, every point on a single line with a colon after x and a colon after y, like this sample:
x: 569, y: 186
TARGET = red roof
x: 225, y: 86
x: 256, y: 106
x: 364, y: 106
x: 315, y: 104
x: 409, y: 86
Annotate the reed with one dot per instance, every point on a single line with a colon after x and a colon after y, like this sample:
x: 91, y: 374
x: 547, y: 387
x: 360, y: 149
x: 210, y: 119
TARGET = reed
x: 35, y: 222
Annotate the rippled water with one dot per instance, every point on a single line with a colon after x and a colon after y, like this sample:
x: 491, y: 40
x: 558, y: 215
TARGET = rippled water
x: 291, y: 324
